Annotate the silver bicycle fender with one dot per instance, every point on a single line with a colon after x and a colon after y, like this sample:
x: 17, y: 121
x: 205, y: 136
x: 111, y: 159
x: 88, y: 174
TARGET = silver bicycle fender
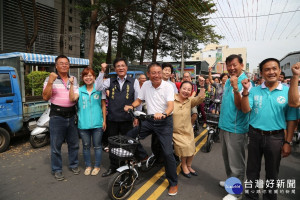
x: 122, y: 168
x: 125, y: 167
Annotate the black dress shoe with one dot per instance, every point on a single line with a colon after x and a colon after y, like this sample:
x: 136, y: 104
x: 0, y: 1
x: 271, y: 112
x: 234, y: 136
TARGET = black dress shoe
x: 194, y: 173
x: 186, y: 175
x: 110, y: 171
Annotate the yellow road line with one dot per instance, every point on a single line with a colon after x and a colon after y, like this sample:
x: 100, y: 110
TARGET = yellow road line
x: 200, y: 135
x: 165, y: 184
x: 162, y: 187
x: 160, y: 173
x: 201, y: 144
x: 147, y: 185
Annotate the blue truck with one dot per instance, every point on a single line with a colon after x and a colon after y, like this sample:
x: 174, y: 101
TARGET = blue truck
x: 18, y: 112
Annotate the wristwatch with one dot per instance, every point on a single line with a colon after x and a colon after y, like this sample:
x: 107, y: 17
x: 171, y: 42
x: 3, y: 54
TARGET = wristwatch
x: 290, y: 143
x: 165, y: 114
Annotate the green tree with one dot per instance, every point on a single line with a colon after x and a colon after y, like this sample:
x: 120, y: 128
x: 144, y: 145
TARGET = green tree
x: 34, y: 82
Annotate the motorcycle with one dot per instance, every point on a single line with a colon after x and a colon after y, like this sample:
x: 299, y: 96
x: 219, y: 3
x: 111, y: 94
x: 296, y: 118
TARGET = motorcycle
x: 40, y: 135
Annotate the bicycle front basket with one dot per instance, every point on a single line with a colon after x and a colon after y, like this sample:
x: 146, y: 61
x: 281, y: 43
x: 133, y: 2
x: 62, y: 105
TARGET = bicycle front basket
x: 122, y: 147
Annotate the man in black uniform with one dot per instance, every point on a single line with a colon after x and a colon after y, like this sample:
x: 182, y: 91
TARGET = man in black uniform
x: 122, y: 91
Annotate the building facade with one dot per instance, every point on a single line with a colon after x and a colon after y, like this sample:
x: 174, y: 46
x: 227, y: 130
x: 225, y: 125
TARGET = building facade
x: 288, y: 61
x: 50, y: 39
x: 215, y: 55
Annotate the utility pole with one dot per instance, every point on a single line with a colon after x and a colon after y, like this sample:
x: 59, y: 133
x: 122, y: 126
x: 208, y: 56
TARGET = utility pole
x: 182, y: 58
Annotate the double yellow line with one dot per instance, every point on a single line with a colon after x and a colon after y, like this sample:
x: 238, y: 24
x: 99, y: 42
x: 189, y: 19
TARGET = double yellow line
x: 163, y: 186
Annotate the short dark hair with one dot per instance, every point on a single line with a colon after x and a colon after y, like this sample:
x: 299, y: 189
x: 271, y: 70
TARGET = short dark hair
x: 187, y: 73
x: 118, y: 60
x: 61, y: 56
x: 153, y: 64
x: 233, y: 56
x: 186, y: 82
x: 164, y: 65
x: 283, y: 74
x: 86, y: 71
x: 216, y: 78
x: 224, y: 74
x: 268, y: 60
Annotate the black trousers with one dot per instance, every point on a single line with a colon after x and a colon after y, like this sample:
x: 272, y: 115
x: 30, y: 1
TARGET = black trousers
x: 268, y: 146
x: 117, y: 128
x: 163, y: 129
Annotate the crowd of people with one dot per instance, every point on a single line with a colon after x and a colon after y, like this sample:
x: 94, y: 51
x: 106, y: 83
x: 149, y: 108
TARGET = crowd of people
x: 99, y: 109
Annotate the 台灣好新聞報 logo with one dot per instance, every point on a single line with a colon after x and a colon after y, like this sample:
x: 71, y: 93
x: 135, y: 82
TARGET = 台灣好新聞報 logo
x: 233, y: 185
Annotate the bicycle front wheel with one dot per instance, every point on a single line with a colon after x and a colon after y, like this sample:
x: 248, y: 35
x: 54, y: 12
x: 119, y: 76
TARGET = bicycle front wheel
x: 121, y: 185
x: 209, y: 142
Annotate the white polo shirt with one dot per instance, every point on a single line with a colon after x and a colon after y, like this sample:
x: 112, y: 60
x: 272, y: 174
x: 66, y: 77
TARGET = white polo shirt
x: 156, y: 98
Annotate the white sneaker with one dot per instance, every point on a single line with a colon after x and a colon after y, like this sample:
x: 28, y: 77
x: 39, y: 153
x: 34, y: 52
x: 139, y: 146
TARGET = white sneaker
x: 222, y: 184
x: 232, y: 197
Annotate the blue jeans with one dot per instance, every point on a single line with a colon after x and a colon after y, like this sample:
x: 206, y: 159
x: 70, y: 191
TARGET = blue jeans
x: 62, y: 129
x: 86, y: 136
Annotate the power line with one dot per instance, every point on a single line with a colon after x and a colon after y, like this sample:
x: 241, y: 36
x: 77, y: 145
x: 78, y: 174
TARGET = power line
x: 224, y: 21
x: 225, y: 36
x: 268, y: 20
x: 203, y: 11
x: 279, y: 20
x: 235, y: 22
x: 287, y: 24
x: 254, y: 16
x: 245, y: 20
x: 183, y: 22
x: 293, y: 30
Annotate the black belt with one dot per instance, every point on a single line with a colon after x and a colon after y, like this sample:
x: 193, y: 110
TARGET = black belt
x: 65, y: 112
x: 267, y: 132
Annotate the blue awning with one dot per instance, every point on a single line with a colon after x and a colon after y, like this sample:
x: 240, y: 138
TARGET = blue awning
x: 31, y: 58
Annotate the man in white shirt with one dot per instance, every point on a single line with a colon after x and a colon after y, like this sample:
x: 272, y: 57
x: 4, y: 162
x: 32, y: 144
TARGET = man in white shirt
x: 159, y: 97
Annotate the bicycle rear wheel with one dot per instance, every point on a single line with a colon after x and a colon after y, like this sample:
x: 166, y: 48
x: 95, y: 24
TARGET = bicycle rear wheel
x: 121, y: 185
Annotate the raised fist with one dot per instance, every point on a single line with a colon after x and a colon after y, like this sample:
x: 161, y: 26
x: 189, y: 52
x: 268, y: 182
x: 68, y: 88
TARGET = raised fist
x: 52, y: 77
x: 296, y: 69
x: 202, y: 93
x: 246, y: 84
x: 201, y: 78
x: 234, y: 82
x: 210, y: 69
x: 103, y: 67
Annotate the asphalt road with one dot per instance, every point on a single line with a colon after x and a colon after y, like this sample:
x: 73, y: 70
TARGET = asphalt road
x: 25, y: 175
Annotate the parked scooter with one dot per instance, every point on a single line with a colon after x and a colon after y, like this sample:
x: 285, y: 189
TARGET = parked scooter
x: 40, y: 135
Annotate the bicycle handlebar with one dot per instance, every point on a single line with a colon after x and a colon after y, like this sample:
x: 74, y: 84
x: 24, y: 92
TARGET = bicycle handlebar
x: 140, y: 115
